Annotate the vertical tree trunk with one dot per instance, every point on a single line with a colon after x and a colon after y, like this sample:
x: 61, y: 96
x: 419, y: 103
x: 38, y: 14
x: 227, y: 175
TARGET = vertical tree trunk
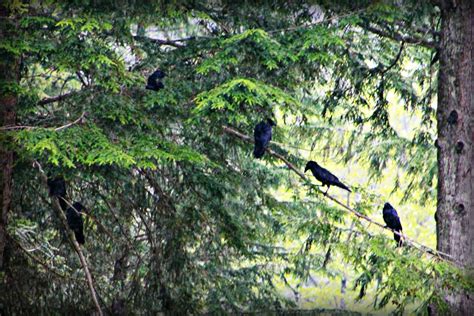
x: 9, y: 74
x: 455, y: 212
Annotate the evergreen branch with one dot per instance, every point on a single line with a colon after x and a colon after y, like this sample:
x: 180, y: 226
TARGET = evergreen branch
x: 74, y: 243
x: 399, y: 37
x: 415, y: 244
x: 56, y: 98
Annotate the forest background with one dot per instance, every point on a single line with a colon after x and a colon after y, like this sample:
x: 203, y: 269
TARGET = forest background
x: 180, y: 217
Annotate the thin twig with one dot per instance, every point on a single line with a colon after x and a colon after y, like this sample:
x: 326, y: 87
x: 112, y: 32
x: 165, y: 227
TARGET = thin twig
x: 79, y: 120
x: 415, y: 244
x: 395, y: 61
x: 10, y: 128
x: 45, y: 265
x: 157, y: 41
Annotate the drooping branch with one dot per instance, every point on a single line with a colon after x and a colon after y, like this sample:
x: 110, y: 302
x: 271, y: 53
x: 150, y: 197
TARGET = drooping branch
x: 415, y: 244
x: 395, y: 61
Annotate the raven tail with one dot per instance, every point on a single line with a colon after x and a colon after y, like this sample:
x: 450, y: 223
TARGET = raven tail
x: 80, y: 236
x: 398, y: 239
x: 343, y: 186
x: 258, y: 152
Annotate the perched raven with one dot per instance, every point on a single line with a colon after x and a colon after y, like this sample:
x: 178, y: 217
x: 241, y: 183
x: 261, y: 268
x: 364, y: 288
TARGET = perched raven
x: 154, y: 81
x: 57, y: 188
x: 323, y: 175
x: 75, y: 222
x: 390, y: 216
x: 262, y: 134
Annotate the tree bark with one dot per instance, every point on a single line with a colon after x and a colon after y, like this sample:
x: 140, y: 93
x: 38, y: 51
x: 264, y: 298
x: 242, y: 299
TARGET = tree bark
x: 9, y: 74
x: 455, y: 116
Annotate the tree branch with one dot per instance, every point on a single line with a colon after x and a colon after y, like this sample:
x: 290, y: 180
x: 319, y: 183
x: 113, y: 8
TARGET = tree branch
x: 75, y: 244
x: 57, y: 129
x: 395, y: 61
x: 399, y: 37
x: 415, y: 244
x: 34, y: 258
x: 56, y: 98
x: 77, y: 121
x: 156, y: 41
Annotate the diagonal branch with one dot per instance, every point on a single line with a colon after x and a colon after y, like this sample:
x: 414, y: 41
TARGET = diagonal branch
x: 75, y: 244
x: 395, y: 61
x: 415, y: 244
x: 77, y: 121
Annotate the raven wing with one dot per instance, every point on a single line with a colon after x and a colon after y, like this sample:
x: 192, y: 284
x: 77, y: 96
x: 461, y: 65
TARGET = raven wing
x: 262, y: 136
x: 326, y: 177
x: 392, y: 220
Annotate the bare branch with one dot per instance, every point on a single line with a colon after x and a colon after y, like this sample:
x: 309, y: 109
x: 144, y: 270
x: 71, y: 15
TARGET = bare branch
x: 34, y: 258
x: 57, y: 129
x: 163, y: 42
x: 77, y: 121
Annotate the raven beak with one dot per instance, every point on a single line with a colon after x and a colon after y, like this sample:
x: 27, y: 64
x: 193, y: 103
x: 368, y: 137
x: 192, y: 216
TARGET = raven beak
x: 306, y: 169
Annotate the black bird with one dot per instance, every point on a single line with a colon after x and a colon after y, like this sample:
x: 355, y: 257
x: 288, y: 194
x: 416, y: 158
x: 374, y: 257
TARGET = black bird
x: 390, y: 216
x: 75, y: 222
x: 154, y: 81
x: 57, y: 188
x: 262, y: 135
x: 323, y: 175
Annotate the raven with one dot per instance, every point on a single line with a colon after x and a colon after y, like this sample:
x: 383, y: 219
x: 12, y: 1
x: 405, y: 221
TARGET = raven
x: 75, y: 222
x: 154, y: 82
x: 390, y: 216
x: 57, y: 188
x: 262, y: 134
x: 323, y: 175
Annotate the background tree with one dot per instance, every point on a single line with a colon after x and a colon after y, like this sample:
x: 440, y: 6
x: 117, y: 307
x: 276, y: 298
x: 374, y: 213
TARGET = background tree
x: 455, y: 209
x: 180, y: 217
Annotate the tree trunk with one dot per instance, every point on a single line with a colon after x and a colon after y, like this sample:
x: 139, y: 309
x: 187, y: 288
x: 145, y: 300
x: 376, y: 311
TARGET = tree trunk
x: 455, y: 211
x: 9, y: 74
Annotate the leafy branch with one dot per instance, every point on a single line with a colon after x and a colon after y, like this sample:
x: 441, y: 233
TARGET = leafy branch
x: 415, y: 244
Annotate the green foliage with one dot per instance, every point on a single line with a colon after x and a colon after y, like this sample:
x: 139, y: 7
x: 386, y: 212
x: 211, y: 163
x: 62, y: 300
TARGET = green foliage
x: 181, y: 218
x: 237, y: 99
